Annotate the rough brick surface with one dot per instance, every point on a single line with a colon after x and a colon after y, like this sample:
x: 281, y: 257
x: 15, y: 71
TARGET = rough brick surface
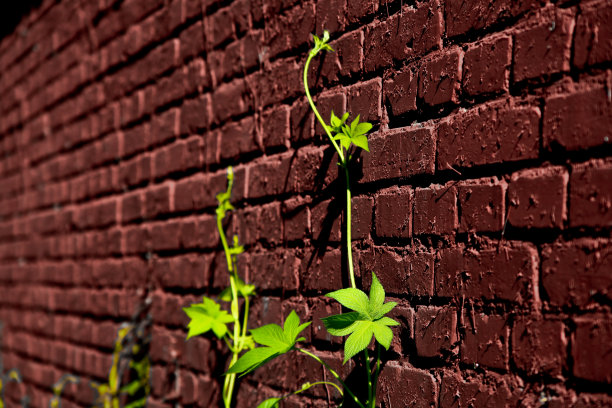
x: 484, y: 205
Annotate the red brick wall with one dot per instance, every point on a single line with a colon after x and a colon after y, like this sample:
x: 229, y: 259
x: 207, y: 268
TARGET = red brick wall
x: 485, y: 205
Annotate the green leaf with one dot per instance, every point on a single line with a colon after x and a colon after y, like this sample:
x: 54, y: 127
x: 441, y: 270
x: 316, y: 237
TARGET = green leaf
x: 363, y: 128
x: 340, y: 324
x: 351, y: 298
x: 276, y: 341
x: 206, y: 316
x: 269, y: 403
x: 251, y: 360
x: 383, y: 334
x: 271, y: 335
x: 358, y: 340
x: 377, y: 295
x: 383, y: 310
x: 361, y: 141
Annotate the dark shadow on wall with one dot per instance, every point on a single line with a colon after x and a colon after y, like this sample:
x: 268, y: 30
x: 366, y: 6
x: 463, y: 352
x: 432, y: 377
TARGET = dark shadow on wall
x: 11, y: 13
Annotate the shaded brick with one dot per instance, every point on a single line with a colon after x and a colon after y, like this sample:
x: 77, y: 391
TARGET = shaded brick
x: 591, y: 194
x: 537, y: 198
x: 591, y: 353
x: 435, y: 330
x: 576, y: 272
x: 482, y: 205
x: 486, y: 66
x: 393, y: 213
x: 435, y: 210
x: 539, y: 346
x: 486, y: 342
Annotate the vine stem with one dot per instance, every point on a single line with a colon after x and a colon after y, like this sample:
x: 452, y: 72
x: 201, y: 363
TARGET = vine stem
x: 343, y: 163
x: 335, y: 374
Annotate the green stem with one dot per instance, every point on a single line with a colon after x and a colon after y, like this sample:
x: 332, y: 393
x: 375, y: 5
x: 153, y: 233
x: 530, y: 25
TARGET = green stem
x: 367, y: 363
x: 349, y: 244
x: 314, y: 108
x: 376, y: 373
x: 336, y: 376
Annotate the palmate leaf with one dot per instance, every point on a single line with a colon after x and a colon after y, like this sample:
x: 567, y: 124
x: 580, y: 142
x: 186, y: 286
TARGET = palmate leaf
x: 355, y: 133
x: 276, y: 341
x: 366, y: 321
x: 207, y: 316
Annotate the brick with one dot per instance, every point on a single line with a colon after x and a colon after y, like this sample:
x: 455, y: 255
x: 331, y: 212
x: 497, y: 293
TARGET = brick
x: 489, y: 134
x: 326, y: 221
x: 180, y: 156
x: 393, y: 39
x: 415, y: 388
x: 578, y: 120
x: 158, y: 201
x: 539, y: 346
x: 361, y: 217
x: 192, y: 41
x: 217, y: 29
x: 131, y: 207
x: 329, y: 16
x: 399, y: 153
x: 188, y: 271
x: 435, y: 210
x: 544, y: 48
x: 276, y: 127
x: 592, y: 37
x: 195, y: 114
x: 575, y: 273
x: 274, y: 270
x: 393, y: 213
x: 492, y: 391
x: 364, y: 99
x: 296, y: 219
x: 400, y: 91
x: 591, y: 353
x: 486, y: 66
x: 435, y: 330
x: 591, y: 194
x: 288, y: 31
x: 278, y: 82
x: 440, y: 78
x: 238, y: 138
x: 509, y: 272
x: 321, y: 271
x: 302, y: 121
x: 400, y: 274
x: 482, y: 205
x: 268, y: 177
x: 231, y: 99
x: 486, y: 342
x: 538, y: 198
x: 466, y: 16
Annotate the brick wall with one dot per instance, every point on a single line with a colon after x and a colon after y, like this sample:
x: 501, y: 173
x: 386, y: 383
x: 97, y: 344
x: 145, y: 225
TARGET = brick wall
x: 485, y: 205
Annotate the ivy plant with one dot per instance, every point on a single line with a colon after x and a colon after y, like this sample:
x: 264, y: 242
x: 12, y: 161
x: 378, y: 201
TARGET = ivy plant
x: 367, y: 318
x: 209, y: 315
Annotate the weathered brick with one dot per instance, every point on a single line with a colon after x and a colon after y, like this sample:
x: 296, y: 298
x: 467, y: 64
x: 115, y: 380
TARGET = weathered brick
x: 416, y: 388
x: 590, y: 351
x: 440, y: 78
x: 435, y: 330
x: 276, y: 127
x: 494, y: 390
x: 592, y: 36
x: 486, y: 66
x: 399, y: 153
x: 591, y: 194
x: 394, y: 39
x: 465, y: 16
x: 482, y: 205
x: 539, y: 346
x: 365, y: 100
x: 575, y: 273
x: 400, y: 91
x: 509, y: 272
x: 544, y: 48
x: 578, y: 120
x: 435, y: 210
x: 400, y: 274
x: 486, y: 342
x: 538, y: 198
x: 393, y: 213
x: 488, y: 134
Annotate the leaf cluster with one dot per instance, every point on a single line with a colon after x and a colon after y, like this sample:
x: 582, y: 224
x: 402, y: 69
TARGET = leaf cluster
x: 367, y: 319
x: 353, y: 134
